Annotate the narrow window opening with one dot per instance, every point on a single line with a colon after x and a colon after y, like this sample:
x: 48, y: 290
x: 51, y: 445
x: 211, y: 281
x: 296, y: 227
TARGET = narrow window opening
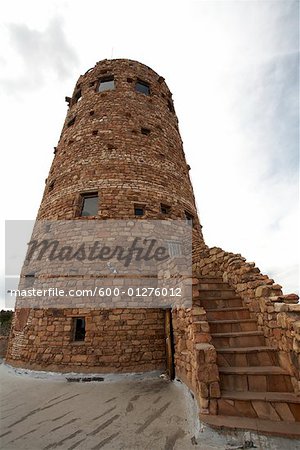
x: 143, y: 87
x: 94, y: 132
x: 77, y: 97
x: 165, y: 209
x: 71, y: 122
x: 145, y: 131
x: 170, y: 106
x: 174, y: 248
x: 189, y: 218
x: 51, y: 186
x: 106, y: 84
x: 139, y: 210
x: 90, y: 204
x: 30, y: 275
x: 129, y: 80
x: 92, y: 113
x: 79, y: 328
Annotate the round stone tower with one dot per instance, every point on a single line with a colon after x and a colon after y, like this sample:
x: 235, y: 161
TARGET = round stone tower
x: 121, y: 140
x: 119, y: 156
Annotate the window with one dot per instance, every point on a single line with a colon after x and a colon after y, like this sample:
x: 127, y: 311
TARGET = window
x: 170, y: 106
x: 51, y: 186
x: 165, y: 209
x: 189, y: 218
x: 143, y: 87
x: 71, y: 122
x: 77, y: 96
x: 90, y: 204
x: 106, y: 84
x: 79, y: 328
x: 139, y: 210
x: 145, y: 131
x: 174, y: 248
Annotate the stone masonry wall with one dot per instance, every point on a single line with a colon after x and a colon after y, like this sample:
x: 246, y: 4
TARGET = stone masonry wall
x: 195, y: 356
x: 125, y: 146
x: 278, y: 315
x: 119, y: 340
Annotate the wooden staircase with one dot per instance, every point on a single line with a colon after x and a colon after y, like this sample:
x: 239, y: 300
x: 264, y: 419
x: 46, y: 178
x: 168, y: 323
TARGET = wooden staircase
x: 256, y: 393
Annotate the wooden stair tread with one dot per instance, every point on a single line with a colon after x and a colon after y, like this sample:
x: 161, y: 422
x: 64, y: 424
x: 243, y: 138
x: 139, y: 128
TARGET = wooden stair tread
x: 289, y: 397
x: 245, y: 349
x: 253, y: 370
x: 288, y: 429
x: 238, y: 333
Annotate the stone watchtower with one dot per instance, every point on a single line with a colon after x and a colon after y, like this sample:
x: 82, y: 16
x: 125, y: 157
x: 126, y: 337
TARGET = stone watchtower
x: 120, y: 156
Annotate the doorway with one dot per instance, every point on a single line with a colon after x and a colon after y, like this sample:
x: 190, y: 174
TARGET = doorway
x: 170, y: 349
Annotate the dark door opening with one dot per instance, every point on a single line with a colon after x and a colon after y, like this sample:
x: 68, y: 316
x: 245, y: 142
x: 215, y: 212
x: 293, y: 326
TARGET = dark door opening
x: 169, y: 344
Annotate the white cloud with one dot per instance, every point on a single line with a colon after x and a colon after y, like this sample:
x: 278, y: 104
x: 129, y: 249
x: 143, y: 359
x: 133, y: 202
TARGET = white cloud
x: 37, y: 55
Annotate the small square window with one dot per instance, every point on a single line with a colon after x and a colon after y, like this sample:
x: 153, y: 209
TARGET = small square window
x: 90, y: 204
x: 145, y: 131
x: 189, y: 218
x: 143, y: 87
x: 79, y: 328
x: 139, y: 210
x: 106, y: 84
x: 165, y: 209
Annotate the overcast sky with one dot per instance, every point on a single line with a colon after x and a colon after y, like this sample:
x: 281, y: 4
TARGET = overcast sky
x: 232, y: 67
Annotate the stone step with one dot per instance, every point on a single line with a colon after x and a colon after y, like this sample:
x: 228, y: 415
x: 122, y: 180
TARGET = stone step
x: 217, y: 293
x: 247, y: 356
x: 238, y: 339
x: 277, y: 406
x: 219, y: 303
x: 211, y: 280
x: 235, y: 313
x: 287, y: 429
x: 283, y: 397
x: 256, y: 378
x: 213, y: 285
x: 227, y: 326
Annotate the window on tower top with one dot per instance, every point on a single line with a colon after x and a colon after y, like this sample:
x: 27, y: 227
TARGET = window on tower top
x: 90, y: 204
x: 189, y: 218
x: 77, y: 96
x: 143, y: 87
x: 106, y: 84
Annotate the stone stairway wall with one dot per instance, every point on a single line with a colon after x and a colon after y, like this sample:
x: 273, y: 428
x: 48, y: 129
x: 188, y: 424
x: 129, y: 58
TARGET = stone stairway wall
x: 278, y: 315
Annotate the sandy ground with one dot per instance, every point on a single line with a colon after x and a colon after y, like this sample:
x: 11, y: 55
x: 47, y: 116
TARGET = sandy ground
x: 136, y: 413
